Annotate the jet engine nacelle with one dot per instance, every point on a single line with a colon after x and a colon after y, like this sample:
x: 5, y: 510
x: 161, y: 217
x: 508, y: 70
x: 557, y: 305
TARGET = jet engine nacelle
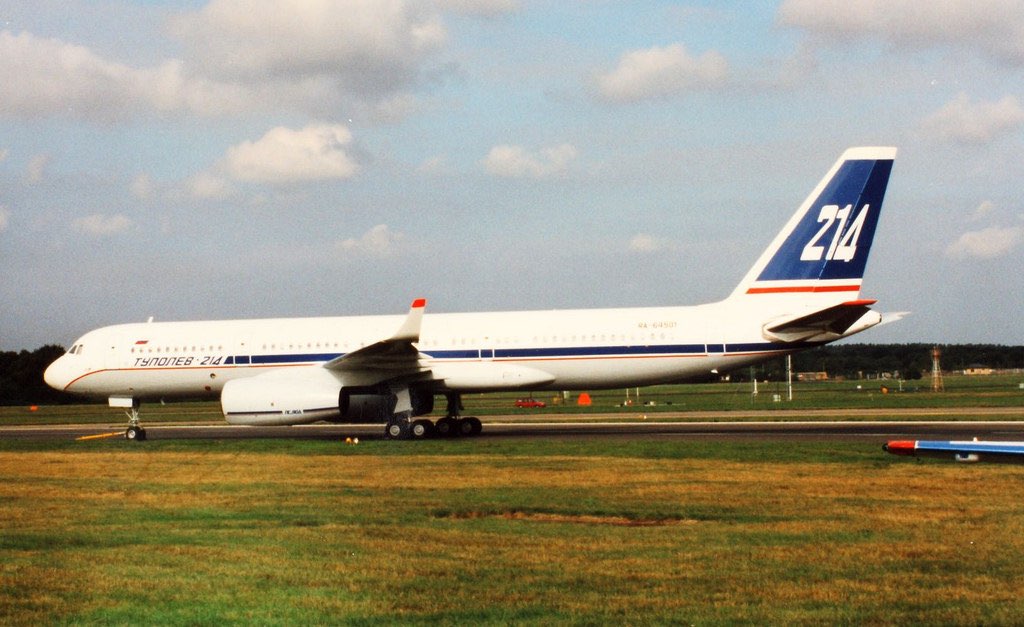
x: 376, y: 405
x: 290, y: 397
x: 305, y: 395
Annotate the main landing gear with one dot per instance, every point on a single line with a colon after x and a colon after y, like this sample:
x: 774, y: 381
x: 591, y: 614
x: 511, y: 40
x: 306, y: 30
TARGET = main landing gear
x: 403, y: 427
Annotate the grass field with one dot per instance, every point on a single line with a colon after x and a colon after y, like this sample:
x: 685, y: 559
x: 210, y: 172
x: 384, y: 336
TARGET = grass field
x: 550, y: 531
x: 517, y: 530
x: 961, y: 391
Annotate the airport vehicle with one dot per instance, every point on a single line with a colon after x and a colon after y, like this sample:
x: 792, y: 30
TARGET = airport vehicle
x: 967, y: 451
x: 529, y: 403
x: 804, y: 291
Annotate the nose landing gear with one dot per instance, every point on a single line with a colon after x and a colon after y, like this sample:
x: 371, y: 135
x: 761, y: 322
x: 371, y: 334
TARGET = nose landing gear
x: 135, y: 432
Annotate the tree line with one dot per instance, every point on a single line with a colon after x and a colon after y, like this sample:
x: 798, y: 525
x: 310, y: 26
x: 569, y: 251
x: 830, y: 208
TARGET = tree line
x: 21, y: 373
x: 908, y: 361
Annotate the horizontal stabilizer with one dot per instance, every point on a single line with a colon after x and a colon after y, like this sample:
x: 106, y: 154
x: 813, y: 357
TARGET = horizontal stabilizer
x: 824, y: 325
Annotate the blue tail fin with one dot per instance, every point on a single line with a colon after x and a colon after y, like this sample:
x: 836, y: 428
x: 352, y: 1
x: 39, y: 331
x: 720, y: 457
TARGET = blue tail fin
x: 824, y: 247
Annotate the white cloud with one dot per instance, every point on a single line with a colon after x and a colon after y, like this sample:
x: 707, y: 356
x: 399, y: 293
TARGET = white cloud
x: 36, y: 169
x: 142, y: 186
x: 987, y: 243
x: 483, y: 8
x: 995, y: 27
x: 314, y: 56
x: 367, y: 47
x: 206, y: 185
x: 982, y: 211
x: 516, y: 162
x: 380, y: 241
x: 438, y: 164
x: 48, y: 77
x: 99, y: 224
x: 961, y: 120
x: 286, y: 155
x: 3, y: 154
x: 662, y: 72
x: 5, y: 218
x: 644, y: 243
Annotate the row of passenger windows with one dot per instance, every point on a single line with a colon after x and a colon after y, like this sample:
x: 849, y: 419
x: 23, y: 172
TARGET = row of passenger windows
x: 537, y: 339
x: 176, y: 349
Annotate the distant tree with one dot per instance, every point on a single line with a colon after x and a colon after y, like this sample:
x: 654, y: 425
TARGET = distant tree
x: 21, y: 377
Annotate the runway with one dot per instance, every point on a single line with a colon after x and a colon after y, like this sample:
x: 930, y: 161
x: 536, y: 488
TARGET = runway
x: 500, y: 427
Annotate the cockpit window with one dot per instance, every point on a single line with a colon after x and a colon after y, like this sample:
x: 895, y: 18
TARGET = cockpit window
x: 76, y: 349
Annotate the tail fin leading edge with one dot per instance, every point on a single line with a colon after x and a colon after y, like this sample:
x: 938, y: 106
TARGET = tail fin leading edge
x: 824, y: 247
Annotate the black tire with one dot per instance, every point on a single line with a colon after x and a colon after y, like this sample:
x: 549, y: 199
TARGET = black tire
x: 475, y: 426
x: 396, y: 431
x: 446, y: 427
x: 421, y: 429
x: 464, y: 427
x: 135, y: 434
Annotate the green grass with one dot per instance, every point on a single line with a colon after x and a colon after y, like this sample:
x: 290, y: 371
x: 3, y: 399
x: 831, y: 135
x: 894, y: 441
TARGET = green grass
x: 503, y: 531
x: 960, y: 392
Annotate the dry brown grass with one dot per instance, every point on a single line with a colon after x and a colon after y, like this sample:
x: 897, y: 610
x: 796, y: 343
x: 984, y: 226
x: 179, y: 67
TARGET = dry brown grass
x: 228, y: 536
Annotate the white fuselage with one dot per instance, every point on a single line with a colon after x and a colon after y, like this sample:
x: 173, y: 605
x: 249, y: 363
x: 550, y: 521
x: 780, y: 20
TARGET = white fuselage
x: 470, y: 352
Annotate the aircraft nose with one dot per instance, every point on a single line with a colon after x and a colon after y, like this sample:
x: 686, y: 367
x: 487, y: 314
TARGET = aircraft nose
x: 56, y: 374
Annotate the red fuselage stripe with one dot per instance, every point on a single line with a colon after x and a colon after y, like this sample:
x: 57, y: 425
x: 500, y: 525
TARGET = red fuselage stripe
x: 803, y: 289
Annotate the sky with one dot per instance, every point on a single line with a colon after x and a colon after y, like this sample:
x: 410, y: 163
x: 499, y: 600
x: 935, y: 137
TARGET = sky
x: 248, y: 159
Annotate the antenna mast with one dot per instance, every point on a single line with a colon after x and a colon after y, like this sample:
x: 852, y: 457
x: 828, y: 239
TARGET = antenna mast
x: 936, y: 370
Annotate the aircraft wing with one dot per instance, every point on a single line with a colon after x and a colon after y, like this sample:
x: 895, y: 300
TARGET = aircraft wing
x: 961, y: 451
x: 823, y: 325
x: 394, y: 357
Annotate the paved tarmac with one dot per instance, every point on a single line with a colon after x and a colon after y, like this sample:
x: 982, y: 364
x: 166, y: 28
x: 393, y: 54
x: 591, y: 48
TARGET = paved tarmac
x: 714, y: 426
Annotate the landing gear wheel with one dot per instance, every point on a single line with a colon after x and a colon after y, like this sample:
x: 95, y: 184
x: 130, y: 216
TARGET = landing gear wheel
x: 421, y: 429
x: 396, y: 431
x: 135, y: 433
x: 468, y: 427
x: 446, y: 427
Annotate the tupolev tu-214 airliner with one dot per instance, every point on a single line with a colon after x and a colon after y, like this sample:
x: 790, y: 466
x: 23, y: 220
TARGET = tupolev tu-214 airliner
x: 803, y: 292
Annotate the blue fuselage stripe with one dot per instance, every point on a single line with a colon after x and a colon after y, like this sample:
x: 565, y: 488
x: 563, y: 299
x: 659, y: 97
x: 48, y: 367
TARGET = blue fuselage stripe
x: 560, y: 352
